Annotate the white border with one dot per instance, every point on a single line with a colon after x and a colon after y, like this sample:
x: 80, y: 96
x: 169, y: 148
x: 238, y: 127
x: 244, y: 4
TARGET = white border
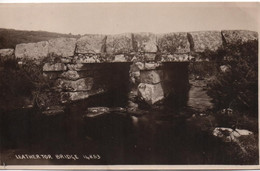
x: 140, y: 167
x: 132, y: 167
x: 94, y: 1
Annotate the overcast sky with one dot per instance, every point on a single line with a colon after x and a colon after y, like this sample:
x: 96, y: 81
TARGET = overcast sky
x: 112, y: 18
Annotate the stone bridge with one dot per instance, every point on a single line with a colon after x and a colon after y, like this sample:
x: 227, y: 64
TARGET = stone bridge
x: 142, y: 65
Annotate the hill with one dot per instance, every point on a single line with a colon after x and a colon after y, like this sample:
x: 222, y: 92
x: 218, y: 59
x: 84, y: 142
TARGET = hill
x: 9, y: 38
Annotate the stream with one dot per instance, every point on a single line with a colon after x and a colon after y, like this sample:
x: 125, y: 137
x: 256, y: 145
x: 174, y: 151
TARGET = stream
x: 159, y: 137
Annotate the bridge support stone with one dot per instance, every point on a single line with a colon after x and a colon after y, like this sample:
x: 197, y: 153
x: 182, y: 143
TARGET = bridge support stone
x: 155, y: 82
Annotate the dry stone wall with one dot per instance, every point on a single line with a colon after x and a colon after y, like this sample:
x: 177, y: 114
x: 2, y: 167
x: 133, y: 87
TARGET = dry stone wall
x: 69, y: 59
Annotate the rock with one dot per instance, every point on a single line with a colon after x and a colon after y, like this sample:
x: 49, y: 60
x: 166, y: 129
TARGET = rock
x: 6, y: 53
x: 136, y: 74
x: 150, y: 57
x: 62, y: 47
x: 77, y: 67
x: 75, y: 96
x: 198, y: 77
x: 132, y: 80
x: 145, y: 42
x: 86, y: 60
x: 151, y: 66
x: 119, y: 44
x: 176, y: 58
x: 52, y: 75
x: 224, y: 68
x: 228, y: 112
x: 117, y: 109
x: 234, y: 36
x: 131, y: 107
x: 70, y: 75
x: 202, y: 40
x: 229, y: 135
x: 223, y: 133
x: 151, y: 76
x: 98, y: 109
x: 173, y: 43
x: 150, y: 93
x: 90, y: 58
x: 202, y: 114
x: 135, y: 77
x: 66, y: 60
x: 134, y: 59
x: 240, y: 132
x: 83, y: 84
x: 120, y: 58
x: 54, y: 110
x: 132, y: 95
x: 139, y: 65
x: 54, y: 67
x: 32, y: 51
x: 87, y: 67
x: 91, y: 44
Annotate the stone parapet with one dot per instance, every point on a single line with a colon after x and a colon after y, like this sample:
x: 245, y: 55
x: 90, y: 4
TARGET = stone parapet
x: 133, y: 47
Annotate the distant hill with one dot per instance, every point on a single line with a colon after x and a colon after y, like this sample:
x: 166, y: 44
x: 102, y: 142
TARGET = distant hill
x: 9, y: 38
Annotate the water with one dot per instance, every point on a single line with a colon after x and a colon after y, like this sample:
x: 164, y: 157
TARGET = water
x: 160, y: 136
x: 118, y: 138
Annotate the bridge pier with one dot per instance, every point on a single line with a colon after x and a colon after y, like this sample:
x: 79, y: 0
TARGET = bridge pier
x: 155, y: 82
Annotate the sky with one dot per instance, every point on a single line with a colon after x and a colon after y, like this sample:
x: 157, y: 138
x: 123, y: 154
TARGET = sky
x: 114, y: 18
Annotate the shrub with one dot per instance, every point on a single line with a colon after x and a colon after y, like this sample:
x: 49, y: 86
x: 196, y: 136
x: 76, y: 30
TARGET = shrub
x: 25, y: 81
x: 237, y: 88
x: 203, y: 69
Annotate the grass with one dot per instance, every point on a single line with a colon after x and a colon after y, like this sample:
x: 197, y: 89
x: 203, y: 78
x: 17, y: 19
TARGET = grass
x: 9, y: 38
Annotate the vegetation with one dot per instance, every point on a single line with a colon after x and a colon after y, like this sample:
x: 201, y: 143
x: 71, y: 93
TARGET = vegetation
x: 9, y: 38
x: 24, y: 83
x: 237, y: 87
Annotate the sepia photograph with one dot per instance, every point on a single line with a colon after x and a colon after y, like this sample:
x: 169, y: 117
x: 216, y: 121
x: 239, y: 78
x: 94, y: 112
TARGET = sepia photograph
x: 129, y: 84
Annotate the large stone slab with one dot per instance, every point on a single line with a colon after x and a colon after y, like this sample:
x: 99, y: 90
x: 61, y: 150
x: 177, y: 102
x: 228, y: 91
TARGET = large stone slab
x: 233, y: 36
x: 75, y: 75
x: 36, y: 51
x: 6, y: 53
x: 151, y: 66
x: 74, y: 96
x: 173, y: 43
x: 89, y: 67
x: 54, y: 67
x: 150, y: 93
x: 119, y: 44
x: 202, y: 40
x: 83, y: 84
x: 151, y: 76
x: 145, y: 42
x: 63, y: 47
x: 91, y: 44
